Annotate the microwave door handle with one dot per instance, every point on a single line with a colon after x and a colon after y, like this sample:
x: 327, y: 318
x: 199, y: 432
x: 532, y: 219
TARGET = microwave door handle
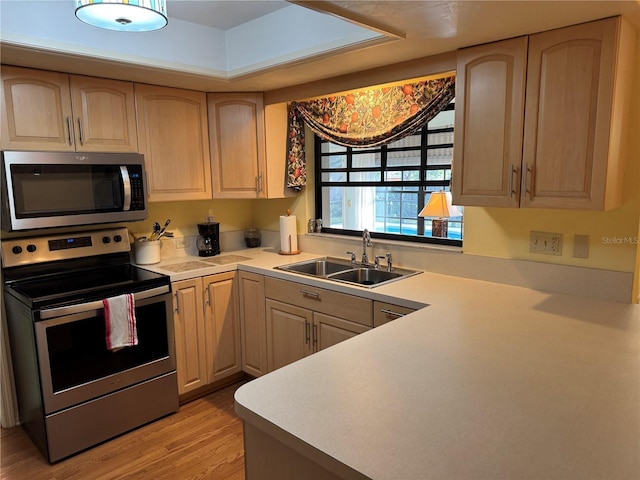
x: 126, y: 182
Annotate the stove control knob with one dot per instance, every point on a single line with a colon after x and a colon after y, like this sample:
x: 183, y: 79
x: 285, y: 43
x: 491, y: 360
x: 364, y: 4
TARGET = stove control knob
x: 106, y: 239
x: 31, y: 248
x: 17, y: 250
x: 117, y: 238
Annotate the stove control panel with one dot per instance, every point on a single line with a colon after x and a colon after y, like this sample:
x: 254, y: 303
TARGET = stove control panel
x: 31, y: 250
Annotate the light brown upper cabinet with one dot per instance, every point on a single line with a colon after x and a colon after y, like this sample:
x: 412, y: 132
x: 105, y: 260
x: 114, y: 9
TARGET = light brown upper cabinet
x: 172, y: 128
x: 236, y: 131
x: 248, y: 146
x: 53, y: 111
x: 559, y: 143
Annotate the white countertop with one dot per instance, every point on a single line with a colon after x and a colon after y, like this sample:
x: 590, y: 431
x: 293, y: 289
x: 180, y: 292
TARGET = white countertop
x: 264, y: 261
x: 489, y: 381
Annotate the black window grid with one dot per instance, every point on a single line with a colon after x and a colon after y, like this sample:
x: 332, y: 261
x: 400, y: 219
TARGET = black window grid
x: 423, y: 185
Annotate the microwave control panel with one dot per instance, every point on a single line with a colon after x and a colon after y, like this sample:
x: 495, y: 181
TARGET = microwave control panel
x: 137, y: 190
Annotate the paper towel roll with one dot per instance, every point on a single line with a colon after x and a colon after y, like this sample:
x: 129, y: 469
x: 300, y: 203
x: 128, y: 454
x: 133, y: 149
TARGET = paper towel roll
x: 288, y: 235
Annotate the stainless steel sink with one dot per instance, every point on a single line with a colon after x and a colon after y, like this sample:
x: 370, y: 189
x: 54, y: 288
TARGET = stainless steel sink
x: 342, y: 270
x: 366, y: 276
x: 321, y: 267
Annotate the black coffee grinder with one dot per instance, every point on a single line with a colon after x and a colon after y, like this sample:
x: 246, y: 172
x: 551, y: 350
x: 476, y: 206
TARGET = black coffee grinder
x: 209, y: 239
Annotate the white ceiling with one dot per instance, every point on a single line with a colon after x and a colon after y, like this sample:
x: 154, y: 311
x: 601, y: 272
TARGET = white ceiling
x: 423, y: 28
x: 222, y: 14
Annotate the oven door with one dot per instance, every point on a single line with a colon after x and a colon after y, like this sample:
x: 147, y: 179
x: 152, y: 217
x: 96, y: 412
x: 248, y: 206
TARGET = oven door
x: 75, y: 364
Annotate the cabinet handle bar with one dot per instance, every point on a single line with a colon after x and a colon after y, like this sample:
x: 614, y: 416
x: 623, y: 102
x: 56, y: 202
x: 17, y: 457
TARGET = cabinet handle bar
x: 528, y: 181
x: 80, y: 131
x: 306, y: 332
x: 69, y: 131
x: 392, y: 313
x: 314, y: 295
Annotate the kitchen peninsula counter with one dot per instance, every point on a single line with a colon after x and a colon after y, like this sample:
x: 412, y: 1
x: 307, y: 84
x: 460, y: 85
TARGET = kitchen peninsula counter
x: 488, y: 381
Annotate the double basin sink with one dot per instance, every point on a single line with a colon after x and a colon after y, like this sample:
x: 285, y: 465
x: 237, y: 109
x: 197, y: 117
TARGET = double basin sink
x: 341, y: 270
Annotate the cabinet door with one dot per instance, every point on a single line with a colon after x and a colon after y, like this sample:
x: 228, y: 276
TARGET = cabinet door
x: 288, y: 333
x: 191, y: 360
x: 236, y: 132
x: 253, y: 324
x: 488, y: 126
x: 36, y: 110
x: 104, y: 115
x: 328, y: 330
x: 571, y: 74
x: 172, y: 135
x: 222, y: 325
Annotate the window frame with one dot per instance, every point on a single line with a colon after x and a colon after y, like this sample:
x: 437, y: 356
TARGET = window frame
x: 383, y: 150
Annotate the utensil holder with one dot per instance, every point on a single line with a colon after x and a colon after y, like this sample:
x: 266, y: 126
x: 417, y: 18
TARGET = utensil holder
x: 147, y: 252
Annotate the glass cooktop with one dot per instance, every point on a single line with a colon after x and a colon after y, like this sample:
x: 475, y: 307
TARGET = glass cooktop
x: 84, y: 285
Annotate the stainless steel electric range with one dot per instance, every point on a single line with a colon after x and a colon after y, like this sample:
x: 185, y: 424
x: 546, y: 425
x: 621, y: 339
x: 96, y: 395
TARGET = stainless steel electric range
x: 73, y: 392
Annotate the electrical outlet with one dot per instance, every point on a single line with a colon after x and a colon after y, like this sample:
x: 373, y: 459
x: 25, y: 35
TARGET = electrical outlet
x: 182, y: 242
x: 546, y: 243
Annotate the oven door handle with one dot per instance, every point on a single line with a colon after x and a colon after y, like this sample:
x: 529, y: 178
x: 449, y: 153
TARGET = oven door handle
x: 97, y: 305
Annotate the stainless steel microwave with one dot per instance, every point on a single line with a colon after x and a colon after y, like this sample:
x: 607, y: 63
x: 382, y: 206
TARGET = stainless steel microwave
x: 59, y: 189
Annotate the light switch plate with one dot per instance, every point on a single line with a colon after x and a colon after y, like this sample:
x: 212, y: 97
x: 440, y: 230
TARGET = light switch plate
x: 546, y: 243
x: 581, y: 246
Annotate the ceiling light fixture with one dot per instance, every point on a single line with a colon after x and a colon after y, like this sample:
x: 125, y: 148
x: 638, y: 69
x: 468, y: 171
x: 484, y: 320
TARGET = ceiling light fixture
x: 123, y: 15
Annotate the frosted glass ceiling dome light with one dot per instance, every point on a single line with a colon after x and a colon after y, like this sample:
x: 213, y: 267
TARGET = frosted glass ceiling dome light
x: 123, y: 15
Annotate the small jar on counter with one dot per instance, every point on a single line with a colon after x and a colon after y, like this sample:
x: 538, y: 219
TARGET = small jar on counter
x: 252, y: 237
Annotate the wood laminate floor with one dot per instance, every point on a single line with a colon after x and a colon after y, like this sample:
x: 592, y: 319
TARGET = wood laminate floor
x: 203, y: 440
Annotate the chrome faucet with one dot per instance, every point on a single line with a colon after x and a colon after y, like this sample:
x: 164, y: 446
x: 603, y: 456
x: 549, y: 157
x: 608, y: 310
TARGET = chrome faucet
x: 366, y: 242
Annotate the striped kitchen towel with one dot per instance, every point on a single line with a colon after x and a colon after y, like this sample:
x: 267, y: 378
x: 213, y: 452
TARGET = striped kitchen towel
x: 120, y: 321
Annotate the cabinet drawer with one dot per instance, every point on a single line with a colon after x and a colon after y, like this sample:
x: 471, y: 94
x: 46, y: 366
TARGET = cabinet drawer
x: 355, y: 309
x: 386, y: 312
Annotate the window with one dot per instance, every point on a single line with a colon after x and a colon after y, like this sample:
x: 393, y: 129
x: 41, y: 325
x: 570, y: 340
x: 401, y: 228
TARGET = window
x: 384, y: 188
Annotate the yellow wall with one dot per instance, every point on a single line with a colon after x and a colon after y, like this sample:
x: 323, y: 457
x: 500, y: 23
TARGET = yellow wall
x: 495, y: 232
x: 232, y: 215
x: 504, y: 233
x: 634, y: 146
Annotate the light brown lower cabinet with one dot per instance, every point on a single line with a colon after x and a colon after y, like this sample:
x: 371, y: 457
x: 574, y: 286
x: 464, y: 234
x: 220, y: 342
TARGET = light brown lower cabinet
x: 288, y: 334
x: 294, y: 332
x: 302, y: 320
x: 254, y: 327
x: 284, y: 321
x: 207, y: 330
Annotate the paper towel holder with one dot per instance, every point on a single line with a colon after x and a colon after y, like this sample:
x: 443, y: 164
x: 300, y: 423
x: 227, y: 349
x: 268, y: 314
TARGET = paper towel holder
x: 290, y: 252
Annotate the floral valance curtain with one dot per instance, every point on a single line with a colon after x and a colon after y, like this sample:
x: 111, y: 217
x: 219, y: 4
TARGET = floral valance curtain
x: 364, y: 118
